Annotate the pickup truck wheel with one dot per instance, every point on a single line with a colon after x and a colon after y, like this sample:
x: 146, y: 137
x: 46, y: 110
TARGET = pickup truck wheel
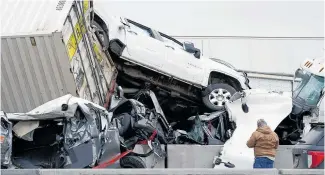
x: 216, y: 95
x: 132, y: 162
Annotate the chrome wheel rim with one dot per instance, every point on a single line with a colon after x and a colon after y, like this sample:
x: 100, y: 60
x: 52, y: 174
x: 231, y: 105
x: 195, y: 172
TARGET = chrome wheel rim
x: 219, y: 97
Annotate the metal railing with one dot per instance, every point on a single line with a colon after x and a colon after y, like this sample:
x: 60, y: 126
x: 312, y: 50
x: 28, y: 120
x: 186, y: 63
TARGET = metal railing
x: 267, y: 73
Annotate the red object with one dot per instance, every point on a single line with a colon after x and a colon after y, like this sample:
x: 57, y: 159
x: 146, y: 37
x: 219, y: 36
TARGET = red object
x: 317, y: 157
x: 144, y: 142
x: 109, y: 94
x: 121, y: 155
x: 113, y: 160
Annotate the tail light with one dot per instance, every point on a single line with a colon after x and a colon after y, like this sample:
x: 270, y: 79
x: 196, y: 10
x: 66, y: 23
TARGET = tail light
x: 2, y: 138
x: 315, y: 158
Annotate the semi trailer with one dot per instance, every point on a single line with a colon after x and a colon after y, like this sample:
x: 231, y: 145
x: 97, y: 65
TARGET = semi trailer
x: 50, y: 49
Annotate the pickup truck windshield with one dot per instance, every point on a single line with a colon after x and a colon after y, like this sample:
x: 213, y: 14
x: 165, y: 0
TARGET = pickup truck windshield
x: 310, y: 89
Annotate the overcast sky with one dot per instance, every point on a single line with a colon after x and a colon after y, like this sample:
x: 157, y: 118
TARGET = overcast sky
x: 224, y: 18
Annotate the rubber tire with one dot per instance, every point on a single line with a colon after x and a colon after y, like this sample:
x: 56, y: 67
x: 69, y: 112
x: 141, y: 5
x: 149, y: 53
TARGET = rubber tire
x: 106, y: 39
x: 132, y: 162
x: 212, y: 87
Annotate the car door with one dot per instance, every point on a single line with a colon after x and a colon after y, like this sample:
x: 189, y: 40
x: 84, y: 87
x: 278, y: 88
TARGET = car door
x: 142, y: 46
x: 79, y: 141
x: 178, y: 61
x: 195, y: 67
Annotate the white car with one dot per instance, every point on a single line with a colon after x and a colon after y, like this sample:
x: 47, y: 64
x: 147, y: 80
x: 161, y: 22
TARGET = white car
x: 143, y: 53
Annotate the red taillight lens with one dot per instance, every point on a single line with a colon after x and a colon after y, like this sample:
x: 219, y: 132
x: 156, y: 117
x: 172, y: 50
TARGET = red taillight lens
x: 315, y: 158
x: 2, y: 138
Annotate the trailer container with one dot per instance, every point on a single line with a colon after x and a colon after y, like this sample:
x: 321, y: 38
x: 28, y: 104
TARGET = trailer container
x: 48, y: 49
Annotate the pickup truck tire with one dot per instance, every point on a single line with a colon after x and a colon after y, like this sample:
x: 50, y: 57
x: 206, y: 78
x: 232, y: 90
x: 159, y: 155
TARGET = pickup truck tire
x: 132, y: 162
x: 216, y: 95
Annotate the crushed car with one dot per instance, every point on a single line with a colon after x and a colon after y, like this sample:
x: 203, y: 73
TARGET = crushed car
x: 207, y: 129
x: 67, y: 132
x: 184, y: 81
x: 5, y: 140
x: 140, y: 121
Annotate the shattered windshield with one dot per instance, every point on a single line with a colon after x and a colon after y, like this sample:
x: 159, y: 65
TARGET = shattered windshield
x: 310, y: 89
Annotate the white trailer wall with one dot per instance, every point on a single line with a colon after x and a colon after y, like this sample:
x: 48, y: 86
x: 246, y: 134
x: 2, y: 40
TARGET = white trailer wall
x: 268, y: 36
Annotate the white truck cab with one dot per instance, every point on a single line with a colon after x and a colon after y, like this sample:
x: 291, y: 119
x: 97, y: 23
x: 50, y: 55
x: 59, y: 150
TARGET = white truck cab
x: 309, y: 93
x: 308, y: 97
x: 156, y: 51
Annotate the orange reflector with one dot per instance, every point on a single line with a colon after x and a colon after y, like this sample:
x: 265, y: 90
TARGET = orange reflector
x: 2, y: 138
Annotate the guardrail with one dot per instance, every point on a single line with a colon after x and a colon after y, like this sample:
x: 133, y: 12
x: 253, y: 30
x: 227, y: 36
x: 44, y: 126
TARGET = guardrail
x: 162, y: 171
x: 285, y: 79
x: 267, y: 73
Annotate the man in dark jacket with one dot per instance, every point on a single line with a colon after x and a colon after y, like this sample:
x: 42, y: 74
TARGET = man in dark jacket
x: 265, y: 142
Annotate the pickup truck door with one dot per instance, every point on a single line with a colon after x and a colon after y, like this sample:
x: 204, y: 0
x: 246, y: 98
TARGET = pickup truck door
x: 177, y: 61
x: 142, y: 47
x: 195, y: 67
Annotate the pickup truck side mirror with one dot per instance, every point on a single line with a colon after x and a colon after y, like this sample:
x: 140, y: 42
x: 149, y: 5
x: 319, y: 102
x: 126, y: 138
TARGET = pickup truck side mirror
x: 299, y: 73
x: 189, y: 47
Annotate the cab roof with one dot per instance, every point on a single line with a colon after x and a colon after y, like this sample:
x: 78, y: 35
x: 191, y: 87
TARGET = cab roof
x: 314, y: 66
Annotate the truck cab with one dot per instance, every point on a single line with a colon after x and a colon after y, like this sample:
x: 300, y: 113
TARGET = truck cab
x: 309, y: 93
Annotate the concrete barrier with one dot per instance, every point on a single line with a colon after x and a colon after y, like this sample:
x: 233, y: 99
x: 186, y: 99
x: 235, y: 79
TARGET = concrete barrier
x: 283, y: 157
x: 141, y: 171
x: 301, y: 171
x: 201, y: 156
x: 191, y: 156
x: 151, y: 161
x: 196, y: 171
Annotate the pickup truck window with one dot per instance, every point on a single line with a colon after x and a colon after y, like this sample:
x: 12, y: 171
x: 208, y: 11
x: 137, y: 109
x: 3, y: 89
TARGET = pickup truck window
x: 310, y: 89
x: 171, y: 41
x: 140, y: 29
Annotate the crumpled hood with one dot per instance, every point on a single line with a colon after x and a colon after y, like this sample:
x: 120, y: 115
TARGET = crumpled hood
x: 6, y: 144
x: 264, y: 130
x: 271, y: 106
x: 53, y: 109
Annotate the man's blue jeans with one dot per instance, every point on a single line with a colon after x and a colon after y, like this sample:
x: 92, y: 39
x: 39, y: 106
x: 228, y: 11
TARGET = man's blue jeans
x: 263, y: 162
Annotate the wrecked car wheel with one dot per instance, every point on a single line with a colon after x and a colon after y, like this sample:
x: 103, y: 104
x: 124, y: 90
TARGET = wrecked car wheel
x: 132, y: 162
x: 216, y: 95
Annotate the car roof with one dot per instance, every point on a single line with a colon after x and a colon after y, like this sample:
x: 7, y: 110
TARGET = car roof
x: 53, y: 109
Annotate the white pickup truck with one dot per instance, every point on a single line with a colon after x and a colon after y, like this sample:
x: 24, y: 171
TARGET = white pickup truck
x: 144, y: 53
